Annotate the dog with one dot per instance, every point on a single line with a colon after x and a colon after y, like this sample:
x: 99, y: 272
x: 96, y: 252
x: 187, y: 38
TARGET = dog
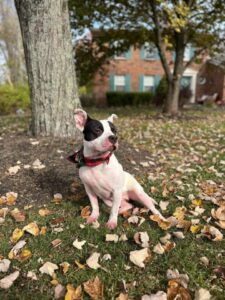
x: 101, y: 173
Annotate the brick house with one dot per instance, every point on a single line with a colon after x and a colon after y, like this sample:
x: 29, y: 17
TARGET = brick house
x: 140, y: 69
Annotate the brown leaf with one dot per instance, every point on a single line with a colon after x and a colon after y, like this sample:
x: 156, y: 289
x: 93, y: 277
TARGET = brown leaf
x: 43, y: 212
x: 94, y: 288
x: 11, y: 198
x: 176, y: 291
x: 56, y: 243
x: 220, y: 272
x: 122, y: 296
x: 161, y: 223
x: 57, y: 221
x: 18, y: 215
x: 85, y: 212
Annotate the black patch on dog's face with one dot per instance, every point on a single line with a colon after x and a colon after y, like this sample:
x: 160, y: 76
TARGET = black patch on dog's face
x: 112, y: 127
x: 92, y: 130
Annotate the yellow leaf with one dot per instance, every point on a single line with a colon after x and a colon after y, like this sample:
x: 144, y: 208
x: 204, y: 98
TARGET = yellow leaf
x: 180, y: 213
x: 195, y: 228
x: 65, y: 266
x: 32, y: 228
x: 72, y: 293
x: 43, y: 230
x: 197, y: 202
x: 24, y: 255
x: 18, y: 215
x: 11, y: 198
x: 17, y: 234
x: 80, y: 266
x: 54, y: 282
x: 2, y: 200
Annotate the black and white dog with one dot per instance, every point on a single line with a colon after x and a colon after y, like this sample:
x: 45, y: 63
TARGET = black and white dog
x: 101, y: 173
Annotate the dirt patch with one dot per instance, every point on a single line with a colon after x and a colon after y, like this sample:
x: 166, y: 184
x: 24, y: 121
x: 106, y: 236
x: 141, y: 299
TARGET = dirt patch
x: 37, y: 186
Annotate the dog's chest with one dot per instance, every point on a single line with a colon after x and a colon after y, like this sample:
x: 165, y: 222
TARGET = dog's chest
x: 102, y: 179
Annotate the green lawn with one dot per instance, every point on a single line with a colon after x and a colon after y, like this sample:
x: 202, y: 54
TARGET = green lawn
x: 187, y: 159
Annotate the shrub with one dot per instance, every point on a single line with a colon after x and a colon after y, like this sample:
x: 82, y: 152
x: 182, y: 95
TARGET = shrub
x: 129, y: 98
x: 185, y: 95
x: 13, y: 98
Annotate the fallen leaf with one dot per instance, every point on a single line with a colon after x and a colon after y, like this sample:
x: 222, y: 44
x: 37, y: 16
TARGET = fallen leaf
x: 112, y: 238
x: 165, y: 239
x: 72, y: 293
x: 204, y: 260
x: 43, y: 212
x: 3, y: 212
x: 38, y: 165
x: 212, y: 233
x: 106, y: 257
x: 202, y: 294
x: 79, y: 265
x: 13, y: 170
x: 158, y: 296
x: 43, y: 230
x: 176, y: 291
x: 163, y: 205
x: 123, y: 238
x: 92, y: 261
x: 78, y: 244
x: 2, y: 200
x: 158, y: 249
x: 133, y: 220
x: 179, y: 234
x: 11, y: 198
x: 220, y: 272
x: 31, y: 275
x: 59, y: 291
x: 6, y: 282
x: 24, y: 255
x: 161, y: 223
x: 180, y: 213
x: 17, y: 234
x: 4, y: 265
x: 85, y: 212
x: 57, y: 221
x: 138, y: 257
x: 48, y: 268
x: 32, y: 228
x: 18, y: 215
x: 183, y: 279
x: 65, y: 267
x: 13, y: 252
x: 94, y: 288
x: 142, y: 238
x: 57, y: 199
x: 122, y: 296
x: 56, y: 243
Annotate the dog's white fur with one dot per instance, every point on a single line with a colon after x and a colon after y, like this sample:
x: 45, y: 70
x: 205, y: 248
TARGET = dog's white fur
x: 109, y: 182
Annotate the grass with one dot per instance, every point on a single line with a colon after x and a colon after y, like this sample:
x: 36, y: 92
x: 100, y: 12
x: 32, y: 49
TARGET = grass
x: 196, y: 141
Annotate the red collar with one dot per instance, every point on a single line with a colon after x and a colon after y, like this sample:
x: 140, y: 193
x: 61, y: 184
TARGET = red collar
x: 81, y: 161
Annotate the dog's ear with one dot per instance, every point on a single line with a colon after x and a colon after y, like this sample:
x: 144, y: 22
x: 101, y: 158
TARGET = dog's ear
x: 80, y: 117
x: 112, y: 117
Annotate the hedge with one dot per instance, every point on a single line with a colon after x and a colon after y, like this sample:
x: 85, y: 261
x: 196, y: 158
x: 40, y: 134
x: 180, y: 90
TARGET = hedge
x: 129, y: 98
x: 13, y: 98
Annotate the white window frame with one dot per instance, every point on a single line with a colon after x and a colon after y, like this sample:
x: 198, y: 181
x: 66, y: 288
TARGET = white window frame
x: 148, y: 82
x: 149, y: 51
x: 119, y: 81
x: 187, y: 53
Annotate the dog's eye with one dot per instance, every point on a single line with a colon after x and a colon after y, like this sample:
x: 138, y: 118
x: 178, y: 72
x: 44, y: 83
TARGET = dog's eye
x: 98, y: 130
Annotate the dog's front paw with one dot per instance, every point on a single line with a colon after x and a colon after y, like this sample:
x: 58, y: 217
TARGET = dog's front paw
x: 91, y: 219
x: 111, y: 224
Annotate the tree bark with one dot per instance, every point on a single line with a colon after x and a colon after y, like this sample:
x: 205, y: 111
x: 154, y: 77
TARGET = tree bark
x: 50, y: 66
x: 171, y: 105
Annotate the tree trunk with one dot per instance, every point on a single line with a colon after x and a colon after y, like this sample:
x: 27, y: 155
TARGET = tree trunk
x: 50, y: 66
x: 171, y: 105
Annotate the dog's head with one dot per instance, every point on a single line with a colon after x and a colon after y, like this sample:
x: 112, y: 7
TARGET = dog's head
x: 99, y: 135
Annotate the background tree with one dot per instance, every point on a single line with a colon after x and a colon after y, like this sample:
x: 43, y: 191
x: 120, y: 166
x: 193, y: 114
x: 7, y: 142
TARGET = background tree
x: 11, y: 47
x: 169, y: 25
x: 50, y: 66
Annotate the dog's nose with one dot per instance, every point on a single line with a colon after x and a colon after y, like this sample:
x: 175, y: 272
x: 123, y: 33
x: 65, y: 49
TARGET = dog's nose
x: 112, y: 139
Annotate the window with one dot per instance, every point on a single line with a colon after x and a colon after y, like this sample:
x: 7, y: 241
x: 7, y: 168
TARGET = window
x: 188, y: 53
x: 121, y: 55
x: 148, y: 83
x: 119, y: 83
x: 149, y: 52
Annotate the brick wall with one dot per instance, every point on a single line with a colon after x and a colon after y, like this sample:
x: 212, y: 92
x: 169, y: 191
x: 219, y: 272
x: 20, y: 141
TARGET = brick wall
x: 136, y: 66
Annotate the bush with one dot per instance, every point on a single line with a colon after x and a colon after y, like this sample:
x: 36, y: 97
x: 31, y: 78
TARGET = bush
x: 185, y: 95
x: 129, y: 98
x: 13, y: 98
